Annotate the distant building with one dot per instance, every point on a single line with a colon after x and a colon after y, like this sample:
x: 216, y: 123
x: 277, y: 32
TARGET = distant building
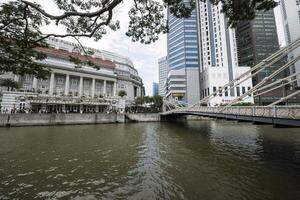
x: 155, y: 89
x: 183, y: 59
x: 291, y: 19
x: 218, y: 58
x: 256, y: 40
x: 163, y: 75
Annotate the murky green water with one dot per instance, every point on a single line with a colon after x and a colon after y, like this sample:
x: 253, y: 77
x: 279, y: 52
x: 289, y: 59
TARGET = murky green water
x: 214, y: 160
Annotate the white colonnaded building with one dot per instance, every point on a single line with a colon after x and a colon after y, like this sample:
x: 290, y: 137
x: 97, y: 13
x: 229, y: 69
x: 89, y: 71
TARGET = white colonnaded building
x: 73, y: 89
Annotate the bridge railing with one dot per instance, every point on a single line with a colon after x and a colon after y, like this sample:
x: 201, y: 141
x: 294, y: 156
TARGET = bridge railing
x: 290, y: 112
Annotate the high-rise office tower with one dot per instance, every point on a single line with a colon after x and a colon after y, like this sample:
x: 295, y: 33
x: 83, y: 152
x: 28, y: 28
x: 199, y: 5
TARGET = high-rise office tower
x: 256, y: 40
x: 291, y: 19
x: 163, y: 74
x: 183, y: 59
x: 218, y: 55
x: 155, y: 90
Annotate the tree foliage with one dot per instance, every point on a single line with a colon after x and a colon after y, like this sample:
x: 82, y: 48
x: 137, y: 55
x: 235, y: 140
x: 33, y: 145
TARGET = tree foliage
x: 19, y: 35
x: 122, y: 93
x: 21, y: 20
x: 148, y: 104
x: 9, y: 84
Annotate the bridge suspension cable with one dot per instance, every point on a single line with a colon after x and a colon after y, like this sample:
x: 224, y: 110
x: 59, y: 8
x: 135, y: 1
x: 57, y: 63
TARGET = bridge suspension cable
x: 261, y: 66
x: 270, y: 90
x: 284, y: 98
x: 278, y: 81
x: 290, y: 63
x: 259, y: 89
x: 273, y: 84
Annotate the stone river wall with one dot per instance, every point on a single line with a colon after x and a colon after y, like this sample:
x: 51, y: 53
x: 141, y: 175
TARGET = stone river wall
x: 39, y: 119
x: 142, y: 117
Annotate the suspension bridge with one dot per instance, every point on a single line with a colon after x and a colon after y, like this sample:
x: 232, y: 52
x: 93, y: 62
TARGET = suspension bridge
x: 274, y: 113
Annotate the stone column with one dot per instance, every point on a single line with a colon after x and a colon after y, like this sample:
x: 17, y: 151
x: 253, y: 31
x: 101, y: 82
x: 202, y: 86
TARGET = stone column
x: 35, y: 84
x: 67, y: 84
x: 115, y: 89
x: 16, y: 78
x: 104, y: 88
x: 51, y: 84
x: 80, y: 87
x: 93, y: 87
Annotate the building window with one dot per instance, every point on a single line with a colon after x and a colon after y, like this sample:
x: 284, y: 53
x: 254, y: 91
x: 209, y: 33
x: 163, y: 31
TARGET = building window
x: 214, y: 89
x: 243, y: 90
x: 74, y: 82
x: 238, y: 91
x: 248, y: 90
x: 28, y: 78
x: 226, y: 92
x: 60, y: 81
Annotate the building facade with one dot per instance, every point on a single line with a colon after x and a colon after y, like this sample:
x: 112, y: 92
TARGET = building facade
x: 218, y: 55
x: 163, y: 74
x: 257, y: 40
x: 183, y: 59
x: 115, y: 73
x: 155, y: 89
x: 291, y: 20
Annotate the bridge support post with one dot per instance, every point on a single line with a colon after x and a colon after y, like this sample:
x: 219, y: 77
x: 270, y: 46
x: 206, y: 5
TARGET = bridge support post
x: 274, y: 112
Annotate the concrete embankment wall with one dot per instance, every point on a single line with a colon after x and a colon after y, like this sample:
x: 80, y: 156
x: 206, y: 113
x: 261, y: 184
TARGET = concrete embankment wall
x: 141, y: 117
x: 59, y: 119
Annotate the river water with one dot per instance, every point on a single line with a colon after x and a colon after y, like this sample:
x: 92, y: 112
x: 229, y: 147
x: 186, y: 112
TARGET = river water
x: 217, y: 160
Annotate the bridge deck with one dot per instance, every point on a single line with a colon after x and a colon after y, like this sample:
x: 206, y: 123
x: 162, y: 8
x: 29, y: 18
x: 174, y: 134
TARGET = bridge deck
x: 279, y: 115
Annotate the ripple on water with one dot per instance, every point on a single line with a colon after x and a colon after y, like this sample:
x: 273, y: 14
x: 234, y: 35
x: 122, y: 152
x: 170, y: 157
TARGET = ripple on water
x: 73, y: 160
x: 54, y: 194
x: 96, y: 182
x: 25, y: 174
x: 51, y: 169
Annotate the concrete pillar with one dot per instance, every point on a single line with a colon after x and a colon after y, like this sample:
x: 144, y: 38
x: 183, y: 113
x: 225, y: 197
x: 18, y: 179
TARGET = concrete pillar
x: 104, y: 88
x: 80, y: 87
x: 93, y: 87
x: 16, y: 78
x: 115, y: 89
x: 51, y: 84
x: 35, y: 84
x: 67, y: 84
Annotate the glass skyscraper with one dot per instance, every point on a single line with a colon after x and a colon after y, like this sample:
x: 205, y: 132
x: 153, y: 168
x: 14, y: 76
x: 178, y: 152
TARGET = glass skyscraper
x: 183, y: 58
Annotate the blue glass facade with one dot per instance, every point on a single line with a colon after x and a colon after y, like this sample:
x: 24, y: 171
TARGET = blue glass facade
x: 183, y: 42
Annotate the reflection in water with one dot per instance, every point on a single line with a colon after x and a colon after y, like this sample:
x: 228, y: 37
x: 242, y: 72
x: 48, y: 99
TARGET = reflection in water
x: 187, y: 160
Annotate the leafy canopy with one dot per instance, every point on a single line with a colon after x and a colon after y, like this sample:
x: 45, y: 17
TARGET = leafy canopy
x: 21, y: 20
x: 9, y: 83
x: 122, y: 93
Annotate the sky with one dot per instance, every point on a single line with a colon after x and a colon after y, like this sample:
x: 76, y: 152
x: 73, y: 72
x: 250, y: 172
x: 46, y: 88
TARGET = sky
x: 144, y: 57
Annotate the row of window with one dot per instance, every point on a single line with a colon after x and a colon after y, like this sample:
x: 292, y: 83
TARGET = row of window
x: 238, y: 90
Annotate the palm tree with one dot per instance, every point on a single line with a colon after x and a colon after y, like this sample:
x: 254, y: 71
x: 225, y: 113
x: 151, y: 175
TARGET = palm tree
x: 9, y: 83
x: 122, y: 93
